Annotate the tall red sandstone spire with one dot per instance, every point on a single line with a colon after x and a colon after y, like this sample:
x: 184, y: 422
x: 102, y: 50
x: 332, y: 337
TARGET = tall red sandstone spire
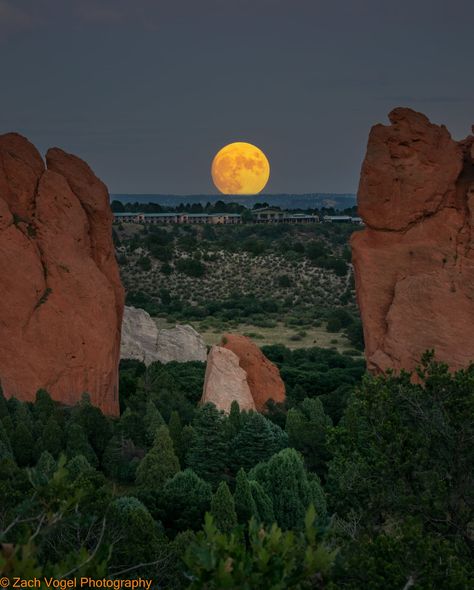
x: 61, y: 298
x: 414, y: 262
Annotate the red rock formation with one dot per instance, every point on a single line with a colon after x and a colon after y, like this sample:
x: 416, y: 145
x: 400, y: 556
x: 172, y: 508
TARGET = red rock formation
x: 225, y: 381
x: 62, y: 300
x: 414, y: 262
x: 262, y: 375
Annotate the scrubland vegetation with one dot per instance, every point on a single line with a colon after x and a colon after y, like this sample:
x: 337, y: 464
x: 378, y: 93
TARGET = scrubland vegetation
x: 293, y: 279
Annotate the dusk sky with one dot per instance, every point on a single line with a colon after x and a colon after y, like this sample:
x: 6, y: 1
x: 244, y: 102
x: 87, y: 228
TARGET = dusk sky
x: 147, y: 91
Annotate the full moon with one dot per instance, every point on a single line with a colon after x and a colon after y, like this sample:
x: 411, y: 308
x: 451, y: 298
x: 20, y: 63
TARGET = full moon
x: 240, y: 169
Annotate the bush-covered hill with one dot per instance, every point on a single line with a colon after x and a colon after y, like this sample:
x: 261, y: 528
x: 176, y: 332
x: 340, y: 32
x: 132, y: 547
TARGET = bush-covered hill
x: 223, y: 276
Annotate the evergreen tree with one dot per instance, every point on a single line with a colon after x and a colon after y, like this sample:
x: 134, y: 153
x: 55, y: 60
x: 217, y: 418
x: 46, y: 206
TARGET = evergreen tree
x: 188, y: 435
x: 262, y: 502
x: 78, y: 466
x: 96, y: 426
x: 121, y: 459
x: 133, y: 535
x: 176, y: 430
x: 52, y: 437
x: 208, y: 454
x: 184, y: 500
x: 131, y: 427
x: 285, y: 481
x: 308, y: 427
x: 160, y: 463
x: 5, y: 439
x: 46, y: 465
x: 244, y: 502
x: 257, y: 441
x: 77, y: 444
x: 44, y: 406
x: 3, y: 405
x: 234, y: 420
x: 152, y: 420
x: 223, y: 508
x: 23, y: 445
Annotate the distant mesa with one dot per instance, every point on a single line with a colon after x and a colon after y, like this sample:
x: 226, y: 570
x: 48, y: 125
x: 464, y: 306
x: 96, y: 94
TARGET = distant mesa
x: 414, y: 262
x: 62, y: 299
x: 143, y: 341
x: 223, y: 382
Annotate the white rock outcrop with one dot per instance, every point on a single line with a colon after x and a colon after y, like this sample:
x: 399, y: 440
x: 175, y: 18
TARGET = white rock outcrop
x: 225, y: 381
x: 181, y: 343
x: 143, y: 341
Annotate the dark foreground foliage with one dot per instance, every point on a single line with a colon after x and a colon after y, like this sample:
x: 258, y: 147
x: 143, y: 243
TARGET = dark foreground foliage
x: 349, y: 485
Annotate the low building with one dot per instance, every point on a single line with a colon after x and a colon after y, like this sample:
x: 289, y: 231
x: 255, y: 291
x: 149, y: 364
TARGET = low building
x: 195, y: 218
x: 300, y: 218
x: 225, y: 218
x: 128, y: 217
x: 268, y: 215
x: 155, y: 218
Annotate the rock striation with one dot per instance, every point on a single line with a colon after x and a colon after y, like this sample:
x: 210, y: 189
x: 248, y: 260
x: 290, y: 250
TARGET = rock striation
x: 143, y: 341
x: 62, y: 299
x: 414, y: 262
x: 262, y: 377
x: 225, y: 381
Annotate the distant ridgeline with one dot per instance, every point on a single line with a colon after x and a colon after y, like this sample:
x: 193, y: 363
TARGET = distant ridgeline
x: 285, y: 201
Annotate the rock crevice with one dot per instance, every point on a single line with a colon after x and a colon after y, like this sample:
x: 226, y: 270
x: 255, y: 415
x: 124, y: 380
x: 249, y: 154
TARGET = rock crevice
x: 62, y: 299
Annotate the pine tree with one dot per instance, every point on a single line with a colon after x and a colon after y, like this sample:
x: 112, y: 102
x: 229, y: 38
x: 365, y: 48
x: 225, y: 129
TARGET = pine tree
x: 160, y: 463
x: 131, y: 427
x: 188, y: 436
x: 151, y: 422
x: 5, y: 439
x: 44, y: 406
x: 77, y: 444
x: 234, y: 422
x: 96, y: 426
x: 52, y: 437
x: 244, y: 502
x: 208, y: 455
x: 308, y: 427
x: 263, y: 503
x: 3, y: 405
x: 285, y: 481
x: 223, y: 508
x: 257, y: 441
x: 176, y: 430
x: 23, y: 445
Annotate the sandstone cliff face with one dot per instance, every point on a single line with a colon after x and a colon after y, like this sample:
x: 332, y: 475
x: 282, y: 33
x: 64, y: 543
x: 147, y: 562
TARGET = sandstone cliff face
x: 225, y: 381
x: 142, y: 340
x: 414, y: 262
x: 62, y: 300
x: 222, y: 384
x: 263, y: 376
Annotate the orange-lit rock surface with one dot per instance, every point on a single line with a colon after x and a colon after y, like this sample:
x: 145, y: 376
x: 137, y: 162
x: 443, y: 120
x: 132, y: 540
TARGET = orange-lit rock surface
x: 225, y: 381
x: 62, y: 300
x: 414, y: 261
x: 262, y: 375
